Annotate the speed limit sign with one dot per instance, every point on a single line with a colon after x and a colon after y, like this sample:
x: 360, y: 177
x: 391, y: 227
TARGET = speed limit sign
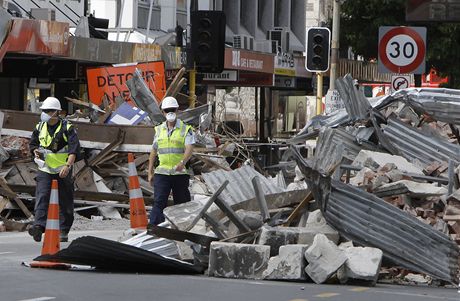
x: 402, y: 49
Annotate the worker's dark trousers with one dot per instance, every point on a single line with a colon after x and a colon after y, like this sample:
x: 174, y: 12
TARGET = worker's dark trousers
x: 42, y: 199
x: 162, y: 186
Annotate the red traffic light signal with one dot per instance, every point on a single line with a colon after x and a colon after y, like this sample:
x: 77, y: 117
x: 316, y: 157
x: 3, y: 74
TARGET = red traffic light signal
x: 318, y: 49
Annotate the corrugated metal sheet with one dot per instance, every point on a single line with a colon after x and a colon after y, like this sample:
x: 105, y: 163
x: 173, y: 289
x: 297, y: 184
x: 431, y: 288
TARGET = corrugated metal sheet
x: 441, y: 104
x: 333, y: 145
x: 415, y: 145
x: 114, y: 256
x: 355, y: 102
x: 370, y: 221
x: 239, y: 188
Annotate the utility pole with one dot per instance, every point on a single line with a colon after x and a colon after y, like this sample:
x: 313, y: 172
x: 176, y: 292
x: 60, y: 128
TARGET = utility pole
x: 335, y: 43
x: 192, y: 72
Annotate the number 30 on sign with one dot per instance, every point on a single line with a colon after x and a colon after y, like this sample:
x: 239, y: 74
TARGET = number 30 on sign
x: 402, y: 49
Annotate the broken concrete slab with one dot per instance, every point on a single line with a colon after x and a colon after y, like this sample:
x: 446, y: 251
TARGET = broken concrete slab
x: 316, y: 221
x: 362, y: 177
x: 410, y: 188
x: 288, y: 265
x: 363, y: 264
x: 275, y: 237
x: 243, y: 261
x: 324, y: 259
x: 375, y: 160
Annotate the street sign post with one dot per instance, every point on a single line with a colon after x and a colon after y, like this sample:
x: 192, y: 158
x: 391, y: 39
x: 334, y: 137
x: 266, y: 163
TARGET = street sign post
x: 399, y: 82
x: 402, y: 49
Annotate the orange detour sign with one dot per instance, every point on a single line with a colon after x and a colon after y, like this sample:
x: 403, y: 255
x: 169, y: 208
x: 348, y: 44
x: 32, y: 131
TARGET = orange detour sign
x: 111, y: 81
x: 51, y: 242
x: 138, y: 215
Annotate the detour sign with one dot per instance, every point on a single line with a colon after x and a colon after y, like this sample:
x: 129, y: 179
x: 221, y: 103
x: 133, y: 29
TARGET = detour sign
x: 112, y: 80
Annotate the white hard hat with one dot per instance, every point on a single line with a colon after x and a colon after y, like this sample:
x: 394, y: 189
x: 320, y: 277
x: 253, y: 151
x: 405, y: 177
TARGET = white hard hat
x: 51, y: 103
x: 169, y: 102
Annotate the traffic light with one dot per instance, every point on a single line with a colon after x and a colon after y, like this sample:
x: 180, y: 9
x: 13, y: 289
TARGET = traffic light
x: 318, y: 49
x: 208, y: 40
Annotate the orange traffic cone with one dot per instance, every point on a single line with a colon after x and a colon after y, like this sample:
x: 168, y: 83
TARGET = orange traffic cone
x: 138, y: 215
x: 51, y: 243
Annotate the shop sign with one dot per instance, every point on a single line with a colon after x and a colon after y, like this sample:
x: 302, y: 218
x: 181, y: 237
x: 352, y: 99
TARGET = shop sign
x: 37, y: 37
x: 111, y: 81
x: 284, y: 64
x: 225, y: 76
x: 250, y: 61
x: 255, y: 79
x: 285, y: 82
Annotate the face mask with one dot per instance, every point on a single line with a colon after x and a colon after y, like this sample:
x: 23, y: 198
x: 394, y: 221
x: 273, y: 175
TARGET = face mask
x: 171, y: 116
x: 45, y: 117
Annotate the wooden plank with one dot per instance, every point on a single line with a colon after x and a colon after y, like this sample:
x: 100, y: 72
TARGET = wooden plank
x: 81, y: 194
x: 299, y: 209
x: 239, y: 223
x: 207, y: 205
x: 260, y: 199
x: 137, y: 136
x: 216, y: 226
x: 3, y: 203
x: 18, y: 201
x: 28, y: 172
x: 180, y: 235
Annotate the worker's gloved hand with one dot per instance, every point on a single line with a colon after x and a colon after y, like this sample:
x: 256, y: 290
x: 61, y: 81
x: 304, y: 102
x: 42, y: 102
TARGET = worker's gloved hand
x: 37, y: 153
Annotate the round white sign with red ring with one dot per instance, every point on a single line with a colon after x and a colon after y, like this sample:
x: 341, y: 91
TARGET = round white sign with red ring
x: 402, y: 50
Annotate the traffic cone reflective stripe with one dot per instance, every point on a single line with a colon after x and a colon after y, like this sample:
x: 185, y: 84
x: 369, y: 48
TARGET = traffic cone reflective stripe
x: 138, y: 215
x: 51, y: 243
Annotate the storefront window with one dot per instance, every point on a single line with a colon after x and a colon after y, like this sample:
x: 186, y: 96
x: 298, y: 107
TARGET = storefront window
x: 291, y: 110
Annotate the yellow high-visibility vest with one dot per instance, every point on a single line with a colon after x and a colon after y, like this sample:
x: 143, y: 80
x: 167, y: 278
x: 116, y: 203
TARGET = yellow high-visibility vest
x: 53, y: 161
x: 171, y: 148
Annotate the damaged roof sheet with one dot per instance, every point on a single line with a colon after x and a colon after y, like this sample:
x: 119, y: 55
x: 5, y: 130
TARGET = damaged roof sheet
x: 333, y: 144
x: 114, y: 256
x: 355, y: 102
x: 240, y: 186
x: 405, y: 240
x: 415, y: 145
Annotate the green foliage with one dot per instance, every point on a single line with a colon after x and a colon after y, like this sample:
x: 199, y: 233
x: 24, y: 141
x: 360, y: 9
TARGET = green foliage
x: 359, y: 27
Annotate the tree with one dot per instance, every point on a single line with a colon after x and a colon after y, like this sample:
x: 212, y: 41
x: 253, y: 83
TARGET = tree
x: 359, y: 27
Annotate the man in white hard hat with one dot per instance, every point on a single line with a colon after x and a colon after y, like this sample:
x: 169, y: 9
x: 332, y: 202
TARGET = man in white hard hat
x: 173, y: 143
x: 54, y: 145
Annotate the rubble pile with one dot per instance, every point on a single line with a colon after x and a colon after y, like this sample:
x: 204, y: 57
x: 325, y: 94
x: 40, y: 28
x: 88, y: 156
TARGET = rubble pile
x: 377, y: 195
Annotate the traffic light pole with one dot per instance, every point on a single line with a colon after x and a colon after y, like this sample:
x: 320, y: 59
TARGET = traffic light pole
x: 335, y: 44
x: 192, y: 84
x: 319, y: 93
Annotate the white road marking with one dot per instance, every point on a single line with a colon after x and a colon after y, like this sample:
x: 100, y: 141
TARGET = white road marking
x: 415, y: 295
x: 39, y: 299
x: 3, y: 253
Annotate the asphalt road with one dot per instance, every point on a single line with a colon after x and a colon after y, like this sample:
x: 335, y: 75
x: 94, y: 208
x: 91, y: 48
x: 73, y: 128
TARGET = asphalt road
x: 20, y: 283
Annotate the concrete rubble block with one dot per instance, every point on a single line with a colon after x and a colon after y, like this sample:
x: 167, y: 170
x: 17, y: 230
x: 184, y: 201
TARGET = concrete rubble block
x: 324, y: 259
x: 243, y: 261
x: 395, y: 175
x: 360, y: 178
x: 363, y: 264
x: 288, y: 265
x: 380, y: 180
x: 411, y: 188
x: 375, y: 160
x: 276, y: 237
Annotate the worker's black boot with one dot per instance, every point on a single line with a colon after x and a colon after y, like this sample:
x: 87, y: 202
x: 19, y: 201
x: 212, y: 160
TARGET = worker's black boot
x: 36, y: 232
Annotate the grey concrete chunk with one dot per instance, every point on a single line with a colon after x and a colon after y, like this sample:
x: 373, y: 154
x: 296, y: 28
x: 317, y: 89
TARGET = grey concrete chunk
x: 324, y: 259
x: 375, y: 160
x: 410, y: 188
x: 362, y: 264
x: 276, y: 237
x: 232, y: 260
x: 288, y: 265
x: 251, y: 218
